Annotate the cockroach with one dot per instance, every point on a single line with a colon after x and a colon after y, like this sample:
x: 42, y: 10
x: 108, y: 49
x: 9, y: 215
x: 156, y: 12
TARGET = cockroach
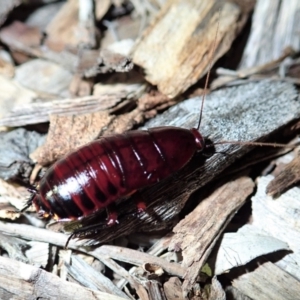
x: 96, y: 175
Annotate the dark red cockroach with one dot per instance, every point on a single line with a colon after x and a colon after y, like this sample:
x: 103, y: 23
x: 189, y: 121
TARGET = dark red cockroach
x: 113, y: 167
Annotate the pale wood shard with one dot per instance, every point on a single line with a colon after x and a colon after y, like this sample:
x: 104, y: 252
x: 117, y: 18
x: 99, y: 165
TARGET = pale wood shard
x: 6, y: 7
x: 175, y: 50
x: 289, y: 176
x: 87, y: 276
x: 21, y: 112
x: 13, y: 95
x: 49, y: 80
x: 17, y: 279
x: 101, y: 8
x: 217, y: 292
x: 38, y: 253
x: 239, y: 248
x: 86, y: 28
x: 93, y: 62
x: 275, y: 26
x: 138, y: 258
x: 11, y: 35
x: 62, y: 30
x: 172, y: 289
x: 7, y: 68
x: 198, y: 232
x: 155, y: 290
x: 10, y: 198
x: 268, y: 282
x: 278, y: 217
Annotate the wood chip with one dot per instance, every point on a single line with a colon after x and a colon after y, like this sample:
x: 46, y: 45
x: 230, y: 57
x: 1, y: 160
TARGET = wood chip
x: 23, y: 112
x: 21, y: 33
x: 13, y: 95
x: 10, y: 199
x: 278, y: 217
x: 80, y: 130
x: 15, y: 147
x: 237, y: 249
x: 87, y: 276
x: 274, y: 28
x: 217, y: 292
x: 268, y: 282
x: 17, y: 279
x: 63, y: 28
x: 6, y: 7
x: 174, y: 62
x: 289, y: 176
x: 101, y: 7
x: 38, y: 253
x: 44, y: 77
x: 7, y: 67
x: 93, y: 62
x: 172, y: 289
x: 198, y: 232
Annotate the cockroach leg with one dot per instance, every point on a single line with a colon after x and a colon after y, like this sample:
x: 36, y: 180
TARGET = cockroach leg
x: 139, y: 201
x: 112, y: 215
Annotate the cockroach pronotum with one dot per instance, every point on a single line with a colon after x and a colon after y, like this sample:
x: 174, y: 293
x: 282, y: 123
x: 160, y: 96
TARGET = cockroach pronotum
x: 96, y: 175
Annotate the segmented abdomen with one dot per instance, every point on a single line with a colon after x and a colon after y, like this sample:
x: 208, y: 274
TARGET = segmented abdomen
x: 113, y: 167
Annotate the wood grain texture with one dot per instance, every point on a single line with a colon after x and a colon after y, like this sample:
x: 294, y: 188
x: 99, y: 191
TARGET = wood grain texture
x: 268, y: 282
x: 17, y: 279
x: 176, y: 50
x: 198, y: 232
x: 275, y: 26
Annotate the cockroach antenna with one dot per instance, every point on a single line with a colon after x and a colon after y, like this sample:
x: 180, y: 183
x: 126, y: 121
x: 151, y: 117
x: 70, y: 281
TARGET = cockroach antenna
x: 210, y: 63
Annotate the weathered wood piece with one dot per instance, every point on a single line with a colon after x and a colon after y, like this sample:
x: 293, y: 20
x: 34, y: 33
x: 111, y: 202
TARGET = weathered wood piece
x: 6, y: 7
x: 87, y: 276
x: 176, y: 49
x: 172, y: 289
x: 268, y: 282
x: 289, y: 176
x: 64, y: 29
x: 15, y: 148
x: 278, y: 217
x: 217, y: 292
x: 39, y: 112
x: 102, y: 253
x: 44, y: 77
x: 198, y: 232
x: 21, y: 281
x: 275, y: 26
x: 11, y: 35
x: 239, y: 248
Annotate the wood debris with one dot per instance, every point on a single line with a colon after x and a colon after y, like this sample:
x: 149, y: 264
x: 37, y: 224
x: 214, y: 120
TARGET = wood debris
x: 268, y: 282
x: 74, y: 71
x: 286, y: 178
x: 188, y: 49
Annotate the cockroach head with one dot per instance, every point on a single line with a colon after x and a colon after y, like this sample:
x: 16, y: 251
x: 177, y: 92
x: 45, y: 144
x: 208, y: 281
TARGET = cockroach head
x: 199, y: 140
